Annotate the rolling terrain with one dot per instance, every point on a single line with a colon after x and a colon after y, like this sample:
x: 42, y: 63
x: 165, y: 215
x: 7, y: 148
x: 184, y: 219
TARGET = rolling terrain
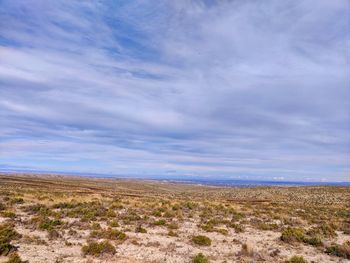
x: 52, y: 218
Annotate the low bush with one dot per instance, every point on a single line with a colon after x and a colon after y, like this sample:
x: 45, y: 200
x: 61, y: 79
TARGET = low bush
x: 7, y: 234
x: 342, y: 251
x: 8, y: 214
x: 326, y: 231
x: 236, y: 216
x: 237, y: 227
x: 2, y: 207
x: 87, y: 211
x: 131, y: 216
x: 16, y: 200
x: 190, y: 205
x: 95, y: 226
x: 157, y: 213
x: 39, y: 209
x: 315, y: 241
x: 98, y: 248
x: 296, y: 259
x: 222, y: 231
x: 201, y: 240
x: 108, y: 233
x: 160, y: 222
x: 111, y: 213
x: 176, y: 207
x: 50, y: 224
x: 114, y: 223
x: 14, y: 258
x: 45, y: 223
x: 290, y: 235
x: 266, y: 226
x: 140, y: 229
x: 208, y: 227
x: 200, y: 258
x: 312, y: 237
x: 65, y: 205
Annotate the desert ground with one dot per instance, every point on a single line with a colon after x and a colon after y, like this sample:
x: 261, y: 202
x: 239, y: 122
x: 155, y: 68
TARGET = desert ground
x: 51, y: 218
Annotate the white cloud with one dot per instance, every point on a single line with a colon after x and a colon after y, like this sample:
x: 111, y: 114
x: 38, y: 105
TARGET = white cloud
x: 227, y: 89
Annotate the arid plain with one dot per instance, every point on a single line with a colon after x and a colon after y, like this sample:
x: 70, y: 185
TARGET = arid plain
x: 51, y: 218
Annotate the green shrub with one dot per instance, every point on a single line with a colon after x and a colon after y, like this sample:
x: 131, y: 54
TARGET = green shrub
x: 111, y: 213
x: 45, y: 223
x: 326, y: 231
x: 237, y: 227
x: 339, y: 250
x: 65, y: 205
x: 2, y: 207
x: 131, y: 217
x: 175, y: 207
x: 265, y: 226
x: 50, y: 224
x: 222, y: 231
x: 114, y: 223
x: 297, y: 259
x: 315, y: 241
x: 87, y: 211
x: 140, y: 229
x: 14, y: 258
x: 16, y: 200
x: 290, y: 235
x: 160, y: 222
x: 208, y: 227
x: 8, y: 214
x: 190, y: 205
x: 236, y: 216
x: 109, y: 233
x: 39, y: 209
x: 201, y: 240
x: 7, y: 234
x: 95, y: 226
x: 98, y: 248
x: 200, y: 258
x: 157, y: 213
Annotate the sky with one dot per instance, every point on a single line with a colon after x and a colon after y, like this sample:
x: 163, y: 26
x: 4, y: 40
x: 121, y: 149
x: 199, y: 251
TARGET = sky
x: 241, y: 89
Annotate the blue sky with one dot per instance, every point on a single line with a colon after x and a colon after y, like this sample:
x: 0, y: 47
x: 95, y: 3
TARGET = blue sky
x: 218, y: 89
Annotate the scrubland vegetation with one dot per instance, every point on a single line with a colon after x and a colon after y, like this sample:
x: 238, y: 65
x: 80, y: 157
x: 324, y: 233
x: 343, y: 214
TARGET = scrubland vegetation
x: 72, y: 219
